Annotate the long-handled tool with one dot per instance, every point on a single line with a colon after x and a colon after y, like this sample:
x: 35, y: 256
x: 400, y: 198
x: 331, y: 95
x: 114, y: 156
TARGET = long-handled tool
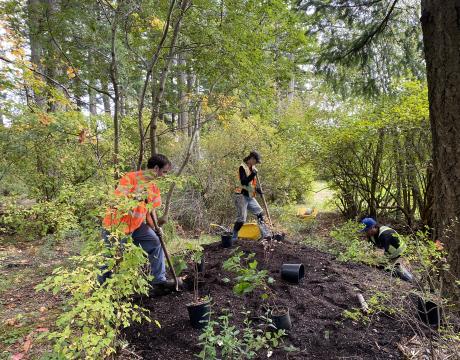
x: 264, y: 202
x: 160, y: 234
x: 224, y: 229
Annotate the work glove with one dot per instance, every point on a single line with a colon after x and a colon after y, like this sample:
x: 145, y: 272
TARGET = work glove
x: 259, y: 191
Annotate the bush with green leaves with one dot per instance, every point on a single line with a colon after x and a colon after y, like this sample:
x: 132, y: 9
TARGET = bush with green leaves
x: 223, y: 340
x: 248, y: 277
x: 39, y: 219
x: 94, y: 314
x: 350, y: 246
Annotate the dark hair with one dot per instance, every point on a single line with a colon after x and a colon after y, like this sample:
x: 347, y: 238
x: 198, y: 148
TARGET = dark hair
x: 253, y: 154
x: 159, y: 160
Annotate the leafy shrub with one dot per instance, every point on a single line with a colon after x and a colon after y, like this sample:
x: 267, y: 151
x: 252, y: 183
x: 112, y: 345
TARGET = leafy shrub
x: 94, y: 314
x: 350, y: 247
x: 222, y: 340
x: 50, y: 217
x: 248, y: 276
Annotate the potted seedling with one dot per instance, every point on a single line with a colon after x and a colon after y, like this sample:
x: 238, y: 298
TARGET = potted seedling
x: 248, y: 278
x: 199, y: 309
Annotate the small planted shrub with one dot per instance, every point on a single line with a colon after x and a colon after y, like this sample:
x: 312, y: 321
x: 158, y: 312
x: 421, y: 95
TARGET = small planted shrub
x: 248, y: 277
x: 221, y: 339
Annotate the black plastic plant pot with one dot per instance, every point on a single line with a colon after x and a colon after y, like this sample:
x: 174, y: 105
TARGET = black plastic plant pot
x: 292, y: 272
x: 281, y: 319
x: 227, y: 240
x: 199, y: 314
x: 201, y: 265
x: 429, y: 312
x: 279, y: 236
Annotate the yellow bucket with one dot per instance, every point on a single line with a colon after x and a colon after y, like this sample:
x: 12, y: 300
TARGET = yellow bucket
x: 307, y: 215
x: 250, y: 231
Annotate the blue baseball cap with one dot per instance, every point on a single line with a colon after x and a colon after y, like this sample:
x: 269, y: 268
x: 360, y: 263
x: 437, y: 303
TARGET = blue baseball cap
x: 369, y: 222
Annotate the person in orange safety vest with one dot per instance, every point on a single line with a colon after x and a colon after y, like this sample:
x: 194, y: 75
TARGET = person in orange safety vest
x: 138, y: 221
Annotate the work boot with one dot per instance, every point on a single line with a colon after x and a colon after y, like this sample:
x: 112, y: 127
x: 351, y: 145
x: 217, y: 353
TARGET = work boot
x: 170, y: 283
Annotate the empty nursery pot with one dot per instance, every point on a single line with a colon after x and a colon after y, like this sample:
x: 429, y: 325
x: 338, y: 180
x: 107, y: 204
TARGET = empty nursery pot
x: 281, y: 319
x: 428, y: 312
x: 201, y: 265
x: 227, y: 240
x: 292, y: 272
x: 199, y: 314
x: 279, y: 236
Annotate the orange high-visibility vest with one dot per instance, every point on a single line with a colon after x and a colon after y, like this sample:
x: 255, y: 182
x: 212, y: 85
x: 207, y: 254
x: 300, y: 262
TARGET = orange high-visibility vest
x: 251, y: 188
x: 134, y: 185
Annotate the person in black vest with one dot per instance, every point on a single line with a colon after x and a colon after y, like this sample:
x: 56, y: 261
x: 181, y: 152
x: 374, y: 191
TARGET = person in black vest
x: 245, y: 192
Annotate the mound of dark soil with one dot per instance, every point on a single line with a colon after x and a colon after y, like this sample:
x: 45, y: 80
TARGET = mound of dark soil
x: 316, y: 305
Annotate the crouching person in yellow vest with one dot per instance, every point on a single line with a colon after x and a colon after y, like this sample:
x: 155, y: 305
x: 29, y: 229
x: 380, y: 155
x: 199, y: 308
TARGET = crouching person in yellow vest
x: 245, y: 192
x: 387, y: 239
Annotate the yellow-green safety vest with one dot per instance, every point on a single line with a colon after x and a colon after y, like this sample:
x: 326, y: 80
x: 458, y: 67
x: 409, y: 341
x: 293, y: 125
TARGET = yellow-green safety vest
x: 392, y: 251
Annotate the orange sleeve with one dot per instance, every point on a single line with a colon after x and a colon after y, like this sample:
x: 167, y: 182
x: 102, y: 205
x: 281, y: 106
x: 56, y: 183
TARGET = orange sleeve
x: 124, y: 185
x: 154, y: 196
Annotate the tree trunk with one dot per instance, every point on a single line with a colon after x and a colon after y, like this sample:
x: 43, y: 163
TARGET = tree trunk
x: 190, y: 90
x: 35, y: 27
x: 2, y: 106
x: 373, y: 203
x: 291, y: 88
x: 105, y: 98
x: 159, y: 92
x: 183, y: 98
x: 91, y: 93
x: 441, y: 37
x: 92, y: 101
x: 116, y: 90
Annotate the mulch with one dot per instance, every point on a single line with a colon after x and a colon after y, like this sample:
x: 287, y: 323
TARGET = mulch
x: 316, y: 306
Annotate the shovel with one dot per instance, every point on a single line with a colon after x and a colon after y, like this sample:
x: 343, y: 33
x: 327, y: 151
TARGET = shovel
x: 264, y: 202
x: 224, y: 229
x: 160, y: 234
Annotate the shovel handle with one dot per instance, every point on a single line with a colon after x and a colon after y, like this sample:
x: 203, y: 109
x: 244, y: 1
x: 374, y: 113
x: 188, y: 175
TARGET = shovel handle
x: 165, y: 250
x: 264, y: 202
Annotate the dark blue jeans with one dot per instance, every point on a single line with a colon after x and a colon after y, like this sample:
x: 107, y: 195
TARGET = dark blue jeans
x: 148, y: 240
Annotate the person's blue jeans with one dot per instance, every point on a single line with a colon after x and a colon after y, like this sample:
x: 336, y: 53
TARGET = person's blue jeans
x: 244, y: 204
x: 148, y: 240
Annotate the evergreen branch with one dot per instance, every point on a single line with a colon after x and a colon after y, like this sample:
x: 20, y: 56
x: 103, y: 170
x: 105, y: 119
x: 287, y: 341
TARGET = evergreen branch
x: 365, y: 39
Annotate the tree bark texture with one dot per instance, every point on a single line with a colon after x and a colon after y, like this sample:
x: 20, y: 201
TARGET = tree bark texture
x: 441, y: 36
x: 106, y: 98
x: 183, y: 102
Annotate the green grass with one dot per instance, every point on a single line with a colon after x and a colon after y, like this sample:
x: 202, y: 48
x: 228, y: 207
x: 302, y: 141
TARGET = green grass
x: 321, y: 197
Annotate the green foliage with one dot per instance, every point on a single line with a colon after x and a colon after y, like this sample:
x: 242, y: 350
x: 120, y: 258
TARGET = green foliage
x: 94, y: 314
x: 363, y: 45
x: 379, y: 302
x: 222, y: 340
x: 422, y: 250
x: 50, y: 217
x: 46, y: 151
x: 352, y: 247
x: 248, y: 277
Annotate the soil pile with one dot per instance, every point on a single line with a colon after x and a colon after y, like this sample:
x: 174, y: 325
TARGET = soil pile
x: 316, y: 305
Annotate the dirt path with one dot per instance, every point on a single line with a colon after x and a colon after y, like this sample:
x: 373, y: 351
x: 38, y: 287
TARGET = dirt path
x: 320, y: 330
